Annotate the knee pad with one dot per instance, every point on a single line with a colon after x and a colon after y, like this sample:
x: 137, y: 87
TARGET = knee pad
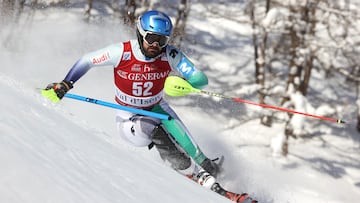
x: 135, y: 136
x: 138, y: 130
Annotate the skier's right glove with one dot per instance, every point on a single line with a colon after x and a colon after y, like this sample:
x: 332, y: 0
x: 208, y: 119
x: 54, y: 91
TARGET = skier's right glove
x: 56, y: 91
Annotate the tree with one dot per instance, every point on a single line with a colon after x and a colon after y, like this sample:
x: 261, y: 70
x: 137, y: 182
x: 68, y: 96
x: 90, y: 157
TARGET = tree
x: 259, y: 37
x: 293, y: 36
x: 180, y: 22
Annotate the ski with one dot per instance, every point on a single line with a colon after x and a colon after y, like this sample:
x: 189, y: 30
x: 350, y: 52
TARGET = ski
x: 216, y: 187
x: 235, y: 197
x: 208, y: 181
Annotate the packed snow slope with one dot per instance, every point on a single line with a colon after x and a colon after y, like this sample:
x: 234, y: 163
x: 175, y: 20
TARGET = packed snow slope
x: 47, y: 156
x: 71, y: 152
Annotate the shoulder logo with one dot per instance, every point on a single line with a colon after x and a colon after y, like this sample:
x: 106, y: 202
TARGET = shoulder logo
x: 186, y: 67
x: 101, y: 58
x: 126, y: 56
x: 173, y: 53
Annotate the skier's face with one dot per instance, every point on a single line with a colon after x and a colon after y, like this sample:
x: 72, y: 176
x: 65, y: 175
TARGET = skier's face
x: 152, y: 50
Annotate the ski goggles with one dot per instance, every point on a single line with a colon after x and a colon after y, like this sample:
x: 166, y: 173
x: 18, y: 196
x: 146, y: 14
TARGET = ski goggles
x: 150, y: 38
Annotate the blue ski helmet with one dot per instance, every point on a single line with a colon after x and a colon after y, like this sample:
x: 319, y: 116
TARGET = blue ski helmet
x: 154, y: 26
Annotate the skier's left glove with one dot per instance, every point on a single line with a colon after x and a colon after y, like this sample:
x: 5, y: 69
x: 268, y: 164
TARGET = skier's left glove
x: 56, y: 91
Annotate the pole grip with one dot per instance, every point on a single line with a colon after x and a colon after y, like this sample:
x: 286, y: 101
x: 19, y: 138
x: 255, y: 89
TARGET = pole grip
x: 117, y: 106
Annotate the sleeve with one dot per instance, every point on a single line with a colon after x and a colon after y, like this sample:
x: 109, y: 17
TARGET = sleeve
x: 108, y: 56
x: 182, y: 64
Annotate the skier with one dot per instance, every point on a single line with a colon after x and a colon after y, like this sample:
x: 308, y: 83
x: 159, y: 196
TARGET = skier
x: 140, y: 69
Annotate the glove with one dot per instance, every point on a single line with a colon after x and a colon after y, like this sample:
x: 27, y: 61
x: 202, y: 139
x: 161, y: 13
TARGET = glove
x: 56, y: 91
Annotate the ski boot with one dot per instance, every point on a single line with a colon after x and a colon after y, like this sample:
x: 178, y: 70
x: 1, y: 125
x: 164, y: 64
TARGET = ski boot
x: 208, y: 181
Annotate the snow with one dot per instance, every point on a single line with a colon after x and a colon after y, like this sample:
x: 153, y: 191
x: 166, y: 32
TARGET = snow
x: 71, y: 152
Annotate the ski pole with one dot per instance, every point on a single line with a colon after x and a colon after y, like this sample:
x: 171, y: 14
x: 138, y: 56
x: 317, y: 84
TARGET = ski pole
x: 176, y: 86
x: 117, y: 106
